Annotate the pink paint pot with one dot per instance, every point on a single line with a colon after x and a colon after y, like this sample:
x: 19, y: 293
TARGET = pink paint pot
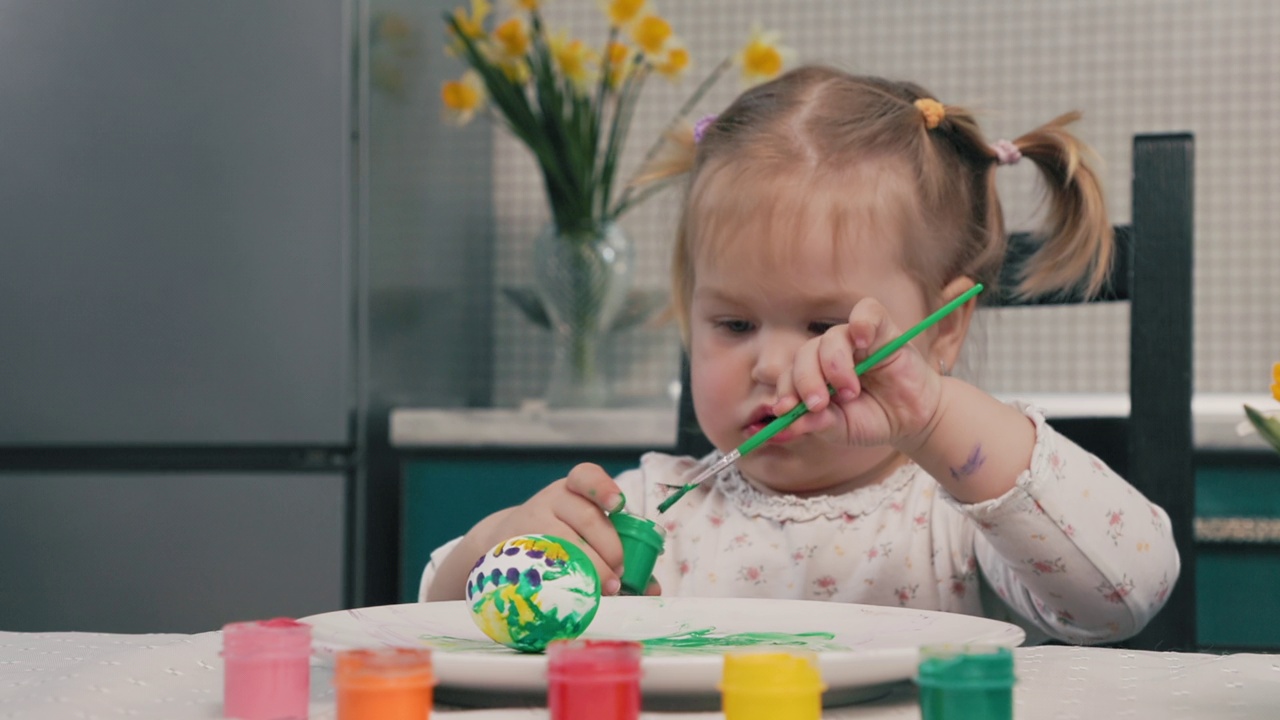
x: 267, y: 669
x: 593, y: 679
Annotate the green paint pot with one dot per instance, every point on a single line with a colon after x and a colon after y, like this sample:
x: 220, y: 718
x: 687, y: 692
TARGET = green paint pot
x: 642, y: 543
x: 966, y: 682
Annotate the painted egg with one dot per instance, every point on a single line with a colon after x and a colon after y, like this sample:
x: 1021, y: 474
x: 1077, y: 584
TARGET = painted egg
x: 532, y: 589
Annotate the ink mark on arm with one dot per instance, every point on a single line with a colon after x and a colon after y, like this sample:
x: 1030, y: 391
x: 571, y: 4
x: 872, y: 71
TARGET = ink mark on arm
x: 970, y: 466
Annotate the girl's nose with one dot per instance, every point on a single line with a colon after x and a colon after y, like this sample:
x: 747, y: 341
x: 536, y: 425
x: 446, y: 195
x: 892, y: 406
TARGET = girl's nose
x: 772, y: 358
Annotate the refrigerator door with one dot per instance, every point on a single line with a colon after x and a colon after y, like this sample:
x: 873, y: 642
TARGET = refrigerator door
x: 175, y: 233
x: 165, y: 551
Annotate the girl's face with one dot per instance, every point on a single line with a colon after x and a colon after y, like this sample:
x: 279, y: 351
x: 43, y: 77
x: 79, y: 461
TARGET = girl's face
x: 755, y: 301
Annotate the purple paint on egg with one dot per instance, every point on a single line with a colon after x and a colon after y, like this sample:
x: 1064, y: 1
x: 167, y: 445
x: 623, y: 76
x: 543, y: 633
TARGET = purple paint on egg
x: 535, y: 554
x: 513, y: 576
x: 479, y: 581
x: 535, y: 577
x: 496, y: 575
x: 511, y: 551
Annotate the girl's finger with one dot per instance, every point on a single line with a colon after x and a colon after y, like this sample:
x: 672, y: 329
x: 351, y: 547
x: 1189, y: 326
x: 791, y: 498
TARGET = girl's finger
x: 784, y: 391
x: 870, y: 328
x: 610, y: 579
x: 593, y: 483
x: 835, y: 355
x: 809, y: 384
x: 592, y: 526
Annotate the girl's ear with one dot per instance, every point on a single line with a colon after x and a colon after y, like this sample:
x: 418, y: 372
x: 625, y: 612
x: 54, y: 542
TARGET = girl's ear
x: 951, y: 330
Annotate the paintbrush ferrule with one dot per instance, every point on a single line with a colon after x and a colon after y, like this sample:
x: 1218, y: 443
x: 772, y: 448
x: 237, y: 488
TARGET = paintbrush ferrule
x: 716, y: 468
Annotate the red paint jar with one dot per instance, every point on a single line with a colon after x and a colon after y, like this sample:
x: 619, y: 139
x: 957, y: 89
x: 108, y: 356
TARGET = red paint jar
x: 267, y: 667
x: 593, y: 679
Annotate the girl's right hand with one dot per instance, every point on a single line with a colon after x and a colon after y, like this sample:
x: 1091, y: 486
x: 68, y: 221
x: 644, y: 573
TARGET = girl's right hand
x: 573, y: 508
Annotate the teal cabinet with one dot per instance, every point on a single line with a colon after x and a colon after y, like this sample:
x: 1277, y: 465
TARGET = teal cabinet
x: 446, y: 492
x: 1238, y: 551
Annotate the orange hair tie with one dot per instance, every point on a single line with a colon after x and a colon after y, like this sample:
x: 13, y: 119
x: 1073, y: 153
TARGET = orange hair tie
x: 932, y: 110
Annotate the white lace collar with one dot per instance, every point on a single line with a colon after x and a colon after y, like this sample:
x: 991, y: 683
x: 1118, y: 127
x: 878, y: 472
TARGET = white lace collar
x: 754, y: 502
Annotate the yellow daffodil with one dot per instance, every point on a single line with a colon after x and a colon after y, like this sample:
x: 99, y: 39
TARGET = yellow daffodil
x: 762, y: 57
x: 674, y: 63
x: 576, y: 116
x: 576, y: 60
x: 512, y: 38
x: 1275, y: 381
x: 651, y: 33
x: 463, y: 97
x: 516, y: 70
x: 622, y: 12
x: 472, y: 24
x: 619, y: 58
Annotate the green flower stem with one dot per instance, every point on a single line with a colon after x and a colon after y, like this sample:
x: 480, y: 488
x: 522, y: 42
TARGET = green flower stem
x: 628, y: 200
x: 623, y: 110
x: 602, y: 88
x: 625, y: 201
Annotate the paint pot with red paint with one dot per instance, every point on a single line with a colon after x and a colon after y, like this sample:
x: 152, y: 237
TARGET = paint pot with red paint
x: 267, y: 669
x: 593, y: 679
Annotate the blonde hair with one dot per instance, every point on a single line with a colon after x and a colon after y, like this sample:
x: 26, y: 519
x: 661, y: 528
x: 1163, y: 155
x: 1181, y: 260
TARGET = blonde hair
x: 821, y: 122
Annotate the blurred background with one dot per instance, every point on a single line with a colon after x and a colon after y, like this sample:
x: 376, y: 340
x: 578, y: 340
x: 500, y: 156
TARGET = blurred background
x: 1131, y: 67
x: 235, y: 236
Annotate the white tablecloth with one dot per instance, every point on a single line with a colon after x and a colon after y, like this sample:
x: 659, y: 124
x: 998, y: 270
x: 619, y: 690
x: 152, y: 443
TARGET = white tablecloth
x: 179, y: 677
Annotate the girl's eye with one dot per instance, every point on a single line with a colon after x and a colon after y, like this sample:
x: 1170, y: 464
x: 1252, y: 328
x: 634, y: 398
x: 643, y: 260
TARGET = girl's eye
x: 818, y: 328
x: 734, y: 326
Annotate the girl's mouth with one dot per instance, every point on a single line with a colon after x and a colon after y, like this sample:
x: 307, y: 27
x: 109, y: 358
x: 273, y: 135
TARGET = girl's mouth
x: 759, y: 420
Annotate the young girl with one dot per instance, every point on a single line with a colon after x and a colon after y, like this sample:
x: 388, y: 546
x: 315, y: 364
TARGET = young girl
x: 825, y: 215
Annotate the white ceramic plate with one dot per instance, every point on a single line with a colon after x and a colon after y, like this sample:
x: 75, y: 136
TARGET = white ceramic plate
x: 859, y: 647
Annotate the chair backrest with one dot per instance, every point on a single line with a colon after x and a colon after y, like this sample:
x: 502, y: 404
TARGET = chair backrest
x: 1152, y: 448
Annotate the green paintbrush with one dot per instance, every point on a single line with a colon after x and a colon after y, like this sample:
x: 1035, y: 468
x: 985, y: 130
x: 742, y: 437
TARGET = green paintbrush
x: 783, y: 421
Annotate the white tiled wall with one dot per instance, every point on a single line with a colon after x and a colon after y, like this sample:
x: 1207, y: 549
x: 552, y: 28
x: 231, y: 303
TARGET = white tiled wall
x: 1205, y: 66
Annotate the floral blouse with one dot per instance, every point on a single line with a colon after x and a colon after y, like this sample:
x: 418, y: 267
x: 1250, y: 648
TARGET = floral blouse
x: 1073, y: 550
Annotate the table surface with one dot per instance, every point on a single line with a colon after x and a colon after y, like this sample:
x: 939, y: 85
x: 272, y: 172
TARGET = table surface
x: 179, y: 677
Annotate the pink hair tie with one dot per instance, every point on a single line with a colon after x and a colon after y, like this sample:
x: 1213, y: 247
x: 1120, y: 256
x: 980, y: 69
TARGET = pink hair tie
x: 1006, y: 152
x: 701, y: 126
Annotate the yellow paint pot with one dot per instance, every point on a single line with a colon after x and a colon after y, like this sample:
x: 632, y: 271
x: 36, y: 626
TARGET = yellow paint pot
x: 771, y: 686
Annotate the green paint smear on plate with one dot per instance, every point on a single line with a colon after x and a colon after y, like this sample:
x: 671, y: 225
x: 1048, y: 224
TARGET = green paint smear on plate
x: 456, y: 644
x: 692, y: 642
x: 695, y: 642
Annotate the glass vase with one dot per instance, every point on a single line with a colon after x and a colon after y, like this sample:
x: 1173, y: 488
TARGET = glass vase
x: 582, y: 278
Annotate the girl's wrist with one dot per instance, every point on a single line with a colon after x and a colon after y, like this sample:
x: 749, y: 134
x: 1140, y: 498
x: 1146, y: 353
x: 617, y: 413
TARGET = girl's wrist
x: 975, y: 446
x: 919, y: 442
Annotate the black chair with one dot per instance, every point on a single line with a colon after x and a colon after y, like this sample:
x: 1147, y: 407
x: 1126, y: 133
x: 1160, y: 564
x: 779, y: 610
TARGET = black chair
x: 1153, y: 446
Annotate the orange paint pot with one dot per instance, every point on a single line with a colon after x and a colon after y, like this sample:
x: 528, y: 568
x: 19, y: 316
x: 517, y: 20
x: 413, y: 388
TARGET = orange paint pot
x: 384, y: 684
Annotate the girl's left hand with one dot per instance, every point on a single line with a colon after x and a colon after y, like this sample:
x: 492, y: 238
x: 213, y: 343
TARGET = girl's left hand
x: 893, y: 403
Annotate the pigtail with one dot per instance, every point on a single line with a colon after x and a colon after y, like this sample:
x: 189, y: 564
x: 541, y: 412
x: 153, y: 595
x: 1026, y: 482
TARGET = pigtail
x: 1078, y: 241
